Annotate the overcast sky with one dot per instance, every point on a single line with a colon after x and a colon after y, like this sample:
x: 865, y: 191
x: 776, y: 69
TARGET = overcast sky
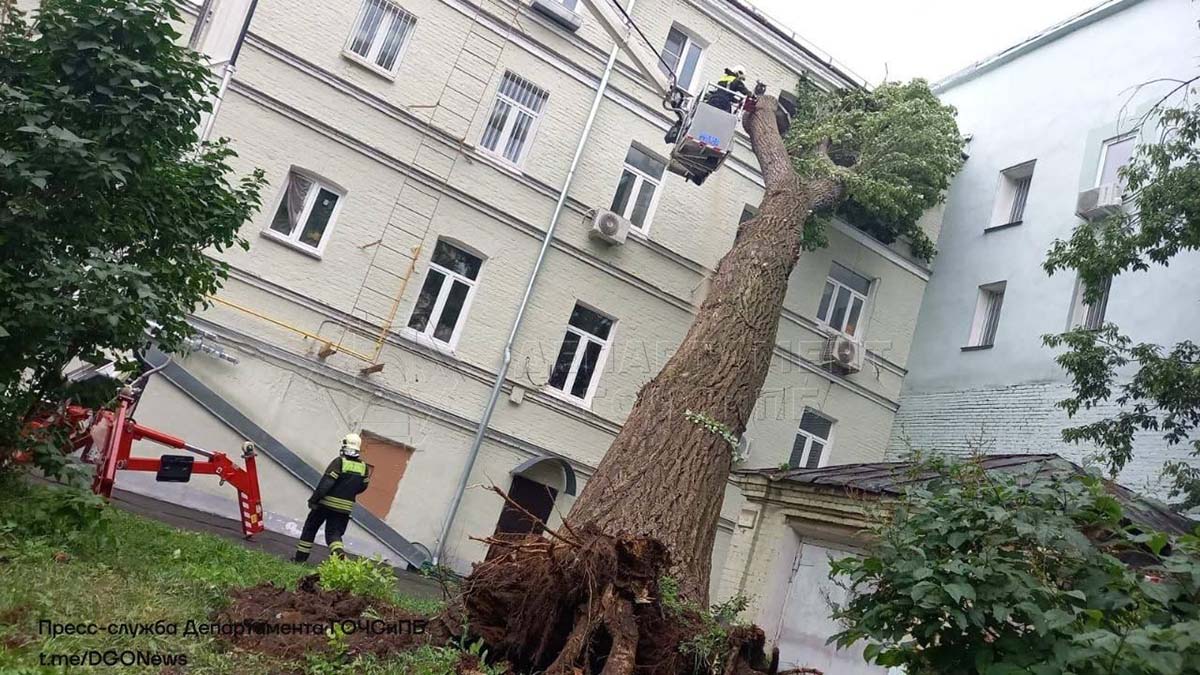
x: 917, y: 38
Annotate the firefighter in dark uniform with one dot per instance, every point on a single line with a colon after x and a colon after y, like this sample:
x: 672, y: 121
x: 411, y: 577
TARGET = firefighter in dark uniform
x: 332, y: 501
x: 732, y: 83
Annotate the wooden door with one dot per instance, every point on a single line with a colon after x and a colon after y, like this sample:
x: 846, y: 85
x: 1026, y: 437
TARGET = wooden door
x: 388, y: 461
x: 533, y: 497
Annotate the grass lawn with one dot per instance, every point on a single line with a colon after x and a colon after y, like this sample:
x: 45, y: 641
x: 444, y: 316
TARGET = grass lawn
x: 130, y: 570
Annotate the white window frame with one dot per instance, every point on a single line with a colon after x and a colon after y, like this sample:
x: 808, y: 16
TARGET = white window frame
x: 584, y: 337
x: 690, y: 39
x: 1104, y: 148
x: 1009, y: 192
x: 639, y: 178
x: 984, y: 309
x: 810, y: 437
x: 370, y: 59
x: 426, y: 337
x: 862, y: 315
x: 293, y: 239
x: 511, y: 121
x: 1081, y: 309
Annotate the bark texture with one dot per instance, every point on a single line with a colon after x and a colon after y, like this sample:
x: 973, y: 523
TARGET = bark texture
x: 664, y: 476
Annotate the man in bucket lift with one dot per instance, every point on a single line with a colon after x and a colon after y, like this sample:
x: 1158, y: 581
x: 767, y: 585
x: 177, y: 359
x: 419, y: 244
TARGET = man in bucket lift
x: 729, y: 86
x: 333, y: 499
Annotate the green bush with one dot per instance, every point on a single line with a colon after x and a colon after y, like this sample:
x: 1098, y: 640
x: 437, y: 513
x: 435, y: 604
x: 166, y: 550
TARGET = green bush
x: 366, y: 577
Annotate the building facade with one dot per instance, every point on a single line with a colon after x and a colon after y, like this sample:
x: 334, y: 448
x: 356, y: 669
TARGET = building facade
x: 1051, y: 123
x: 416, y: 151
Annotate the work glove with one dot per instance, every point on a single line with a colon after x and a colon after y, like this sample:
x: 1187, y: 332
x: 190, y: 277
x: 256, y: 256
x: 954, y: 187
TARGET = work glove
x: 312, y: 504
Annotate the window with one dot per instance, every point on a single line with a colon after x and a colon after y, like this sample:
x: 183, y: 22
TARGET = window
x: 570, y: 4
x: 810, y: 450
x: 306, y: 212
x: 681, y: 55
x: 987, y: 315
x: 1012, y: 196
x: 514, y: 118
x: 637, y: 191
x: 1089, y: 316
x: 581, y: 357
x: 1114, y: 155
x: 380, y: 34
x: 843, y: 300
x: 441, y: 307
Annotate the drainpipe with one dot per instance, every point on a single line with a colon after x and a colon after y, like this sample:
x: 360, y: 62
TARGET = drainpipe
x: 227, y: 71
x: 498, y: 385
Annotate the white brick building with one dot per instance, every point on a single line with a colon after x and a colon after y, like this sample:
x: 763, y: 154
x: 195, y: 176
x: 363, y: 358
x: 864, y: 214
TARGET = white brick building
x: 383, y: 135
x: 1050, y: 119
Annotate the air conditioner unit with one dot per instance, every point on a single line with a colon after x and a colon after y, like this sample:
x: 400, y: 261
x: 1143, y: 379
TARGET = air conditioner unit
x: 1100, y: 201
x: 844, y: 352
x: 609, y: 227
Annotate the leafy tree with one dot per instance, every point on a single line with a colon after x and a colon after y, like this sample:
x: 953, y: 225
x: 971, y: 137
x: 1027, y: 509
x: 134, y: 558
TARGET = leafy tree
x: 1163, y: 392
x: 660, y: 485
x: 108, y: 205
x: 1012, y: 574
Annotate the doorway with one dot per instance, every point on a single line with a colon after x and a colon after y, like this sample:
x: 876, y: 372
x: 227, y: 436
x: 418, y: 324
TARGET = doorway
x: 535, y: 502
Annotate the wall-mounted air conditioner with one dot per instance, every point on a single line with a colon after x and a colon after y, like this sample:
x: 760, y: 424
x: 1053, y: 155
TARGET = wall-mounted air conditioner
x: 609, y: 227
x: 558, y: 13
x: 1100, y: 201
x: 844, y: 352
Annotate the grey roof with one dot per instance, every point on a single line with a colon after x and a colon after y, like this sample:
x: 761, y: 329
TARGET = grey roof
x: 891, y: 478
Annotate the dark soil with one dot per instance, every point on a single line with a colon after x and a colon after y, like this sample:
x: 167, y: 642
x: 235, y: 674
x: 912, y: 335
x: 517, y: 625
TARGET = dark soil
x: 383, y: 629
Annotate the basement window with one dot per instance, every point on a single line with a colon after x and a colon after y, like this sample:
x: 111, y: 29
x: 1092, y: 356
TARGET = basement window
x: 576, y: 372
x: 445, y: 298
x: 306, y: 212
x: 810, y: 450
x: 381, y: 34
x: 987, y: 316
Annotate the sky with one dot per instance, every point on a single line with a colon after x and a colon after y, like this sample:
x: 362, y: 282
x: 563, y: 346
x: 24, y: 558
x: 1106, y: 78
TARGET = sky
x: 903, y: 39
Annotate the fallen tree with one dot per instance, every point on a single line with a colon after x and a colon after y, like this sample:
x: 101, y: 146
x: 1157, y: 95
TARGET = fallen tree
x: 588, y: 598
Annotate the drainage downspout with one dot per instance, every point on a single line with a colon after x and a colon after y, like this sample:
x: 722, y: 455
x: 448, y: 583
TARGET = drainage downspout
x: 498, y: 385
x: 229, y: 68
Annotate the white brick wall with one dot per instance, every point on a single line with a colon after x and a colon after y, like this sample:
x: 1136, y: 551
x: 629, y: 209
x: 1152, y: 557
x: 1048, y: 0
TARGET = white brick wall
x: 1016, y: 419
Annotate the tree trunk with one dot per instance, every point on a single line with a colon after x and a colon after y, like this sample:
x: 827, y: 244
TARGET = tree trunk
x: 665, y: 475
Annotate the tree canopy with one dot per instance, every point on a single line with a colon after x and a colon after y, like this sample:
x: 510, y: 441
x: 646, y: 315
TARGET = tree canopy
x: 1021, y: 574
x: 1156, y: 387
x: 895, y: 147
x: 108, y: 205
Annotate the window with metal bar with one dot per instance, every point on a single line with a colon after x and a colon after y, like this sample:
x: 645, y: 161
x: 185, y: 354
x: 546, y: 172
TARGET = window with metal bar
x: 514, y: 118
x: 576, y: 371
x: 1012, y: 196
x: 380, y: 35
x: 1021, y: 194
x: 987, y: 315
x: 810, y: 449
x: 637, y: 191
x: 1090, y: 315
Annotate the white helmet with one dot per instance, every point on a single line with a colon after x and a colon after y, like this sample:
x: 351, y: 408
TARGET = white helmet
x: 351, y: 445
x: 740, y: 70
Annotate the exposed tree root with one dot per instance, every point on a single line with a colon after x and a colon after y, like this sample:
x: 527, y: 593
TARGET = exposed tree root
x: 586, y: 603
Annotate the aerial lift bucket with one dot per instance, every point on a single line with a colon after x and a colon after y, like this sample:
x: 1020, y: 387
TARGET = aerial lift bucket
x: 706, y: 136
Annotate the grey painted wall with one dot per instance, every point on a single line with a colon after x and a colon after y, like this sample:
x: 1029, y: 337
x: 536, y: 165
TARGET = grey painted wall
x: 1054, y: 105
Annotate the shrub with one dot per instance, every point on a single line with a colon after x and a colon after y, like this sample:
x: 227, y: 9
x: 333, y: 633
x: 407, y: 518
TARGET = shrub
x: 366, y: 577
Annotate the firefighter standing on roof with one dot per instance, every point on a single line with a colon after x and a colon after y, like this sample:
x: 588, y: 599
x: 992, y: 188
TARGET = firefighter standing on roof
x: 332, y: 501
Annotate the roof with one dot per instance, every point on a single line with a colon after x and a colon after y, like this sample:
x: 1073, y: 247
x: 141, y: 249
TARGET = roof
x: 798, y: 42
x: 1058, y: 30
x: 892, y: 478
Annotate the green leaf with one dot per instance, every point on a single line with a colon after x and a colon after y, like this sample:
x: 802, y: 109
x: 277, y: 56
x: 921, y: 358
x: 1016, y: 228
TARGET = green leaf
x: 958, y: 591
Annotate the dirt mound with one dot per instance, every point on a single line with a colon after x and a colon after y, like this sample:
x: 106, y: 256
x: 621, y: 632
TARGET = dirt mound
x: 275, y: 621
